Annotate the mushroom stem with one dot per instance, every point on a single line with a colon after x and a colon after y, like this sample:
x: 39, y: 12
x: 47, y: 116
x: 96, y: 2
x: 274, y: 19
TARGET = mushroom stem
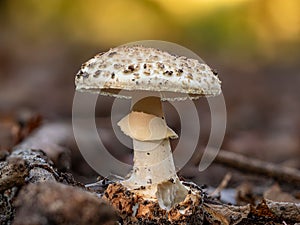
x: 153, y: 163
x: 154, y: 174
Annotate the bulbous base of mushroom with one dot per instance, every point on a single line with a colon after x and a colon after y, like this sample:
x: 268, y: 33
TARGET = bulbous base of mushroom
x: 167, y: 193
x: 137, y: 209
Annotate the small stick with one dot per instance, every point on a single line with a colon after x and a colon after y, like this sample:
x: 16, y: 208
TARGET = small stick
x: 251, y: 165
x: 222, y: 185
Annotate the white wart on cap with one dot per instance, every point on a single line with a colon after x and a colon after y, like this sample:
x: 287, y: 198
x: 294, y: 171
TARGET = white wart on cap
x: 139, y: 68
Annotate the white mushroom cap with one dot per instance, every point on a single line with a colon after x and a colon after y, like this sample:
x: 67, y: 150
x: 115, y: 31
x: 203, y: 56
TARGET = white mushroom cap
x: 122, y: 70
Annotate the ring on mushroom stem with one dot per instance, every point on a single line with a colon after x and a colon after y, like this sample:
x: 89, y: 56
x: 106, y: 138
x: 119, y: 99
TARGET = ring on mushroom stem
x: 149, y: 76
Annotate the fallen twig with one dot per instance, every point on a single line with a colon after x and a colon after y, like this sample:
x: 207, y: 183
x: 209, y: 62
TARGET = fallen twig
x: 222, y: 185
x: 255, y: 166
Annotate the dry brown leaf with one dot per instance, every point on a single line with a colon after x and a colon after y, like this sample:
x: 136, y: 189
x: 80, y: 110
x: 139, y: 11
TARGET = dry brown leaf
x: 275, y: 193
x: 15, y: 127
x: 225, y: 214
x: 9, y: 132
x: 262, y: 210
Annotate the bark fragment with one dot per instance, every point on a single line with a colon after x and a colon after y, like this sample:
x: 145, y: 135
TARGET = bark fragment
x: 54, y: 203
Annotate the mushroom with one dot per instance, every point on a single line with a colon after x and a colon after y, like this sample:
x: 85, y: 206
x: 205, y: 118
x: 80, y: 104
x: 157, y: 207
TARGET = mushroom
x: 148, y: 76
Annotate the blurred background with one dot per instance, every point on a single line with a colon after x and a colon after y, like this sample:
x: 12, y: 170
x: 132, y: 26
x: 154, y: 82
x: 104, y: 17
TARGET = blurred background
x: 253, y: 44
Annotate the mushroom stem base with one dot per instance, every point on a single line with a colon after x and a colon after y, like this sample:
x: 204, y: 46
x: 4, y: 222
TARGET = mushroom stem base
x: 135, y: 209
